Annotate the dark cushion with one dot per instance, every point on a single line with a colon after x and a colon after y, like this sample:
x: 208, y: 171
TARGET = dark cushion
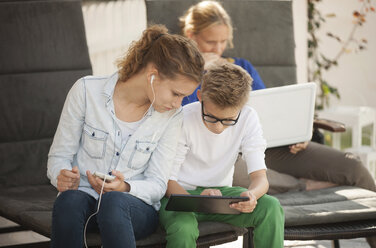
x: 263, y: 33
x: 43, y: 52
x: 17, y: 200
x: 42, y: 36
x: 41, y: 220
x: 331, y: 205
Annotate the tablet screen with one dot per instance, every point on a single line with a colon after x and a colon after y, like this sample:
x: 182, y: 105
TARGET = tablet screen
x: 203, y: 203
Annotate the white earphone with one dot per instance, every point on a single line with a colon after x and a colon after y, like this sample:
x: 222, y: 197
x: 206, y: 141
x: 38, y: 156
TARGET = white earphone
x: 152, y: 79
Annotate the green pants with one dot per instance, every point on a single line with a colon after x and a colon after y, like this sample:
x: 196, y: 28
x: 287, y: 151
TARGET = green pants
x: 267, y: 220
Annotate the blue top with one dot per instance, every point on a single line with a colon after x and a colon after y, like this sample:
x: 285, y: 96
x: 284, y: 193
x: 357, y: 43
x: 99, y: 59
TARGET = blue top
x: 246, y: 65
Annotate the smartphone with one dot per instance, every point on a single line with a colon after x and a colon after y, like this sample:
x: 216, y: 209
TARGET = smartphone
x: 107, y: 178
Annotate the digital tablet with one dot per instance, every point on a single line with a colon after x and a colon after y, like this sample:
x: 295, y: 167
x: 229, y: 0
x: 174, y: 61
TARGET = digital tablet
x: 203, y: 203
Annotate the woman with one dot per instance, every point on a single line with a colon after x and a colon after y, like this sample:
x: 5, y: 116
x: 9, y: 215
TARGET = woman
x: 125, y: 125
x: 209, y: 25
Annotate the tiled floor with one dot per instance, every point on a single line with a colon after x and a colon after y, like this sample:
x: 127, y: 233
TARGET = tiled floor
x: 353, y: 243
x: 28, y: 236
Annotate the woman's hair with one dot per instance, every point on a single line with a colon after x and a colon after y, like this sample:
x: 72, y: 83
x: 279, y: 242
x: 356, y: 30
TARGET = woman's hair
x: 226, y: 85
x: 205, y: 14
x: 171, y: 55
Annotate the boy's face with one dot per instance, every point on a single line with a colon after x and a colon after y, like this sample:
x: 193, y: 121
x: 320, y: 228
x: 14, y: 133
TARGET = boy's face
x: 217, y: 119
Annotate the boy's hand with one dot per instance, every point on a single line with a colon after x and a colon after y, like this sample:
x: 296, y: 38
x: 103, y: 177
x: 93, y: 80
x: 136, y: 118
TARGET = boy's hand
x: 246, y: 206
x: 216, y: 192
x: 68, y: 179
x: 116, y: 185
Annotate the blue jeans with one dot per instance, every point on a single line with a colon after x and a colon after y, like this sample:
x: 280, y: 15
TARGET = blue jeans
x: 121, y: 220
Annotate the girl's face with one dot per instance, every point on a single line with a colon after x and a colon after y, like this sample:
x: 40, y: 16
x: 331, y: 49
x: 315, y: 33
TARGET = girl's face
x: 170, y: 92
x: 212, y: 39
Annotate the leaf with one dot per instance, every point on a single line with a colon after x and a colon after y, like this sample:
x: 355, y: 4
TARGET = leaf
x: 330, y: 15
x: 325, y: 89
x: 356, y: 14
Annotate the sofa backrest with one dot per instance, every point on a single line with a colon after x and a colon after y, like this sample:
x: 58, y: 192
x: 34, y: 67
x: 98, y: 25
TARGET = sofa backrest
x: 43, y: 52
x: 263, y: 33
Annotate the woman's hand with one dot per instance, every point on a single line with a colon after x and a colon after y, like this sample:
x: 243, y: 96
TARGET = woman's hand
x: 68, y: 179
x: 216, y: 192
x: 294, y: 149
x: 246, y: 206
x: 116, y: 185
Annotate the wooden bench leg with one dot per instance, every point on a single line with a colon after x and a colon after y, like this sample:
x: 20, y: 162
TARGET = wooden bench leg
x: 335, y: 243
x: 248, y: 239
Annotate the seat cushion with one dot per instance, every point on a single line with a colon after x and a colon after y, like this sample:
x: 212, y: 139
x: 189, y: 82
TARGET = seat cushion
x: 40, y: 221
x: 17, y: 200
x: 331, y: 205
x: 31, y: 206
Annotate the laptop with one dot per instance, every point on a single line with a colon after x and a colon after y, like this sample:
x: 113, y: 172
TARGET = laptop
x: 286, y: 113
x: 203, y: 203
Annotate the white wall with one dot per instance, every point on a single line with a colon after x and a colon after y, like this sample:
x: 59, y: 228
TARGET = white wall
x: 355, y: 74
x: 299, y: 9
x: 110, y: 29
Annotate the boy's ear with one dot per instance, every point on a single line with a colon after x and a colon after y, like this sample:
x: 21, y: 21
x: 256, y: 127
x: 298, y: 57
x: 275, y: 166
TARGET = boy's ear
x: 189, y: 33
x: 199, y: 95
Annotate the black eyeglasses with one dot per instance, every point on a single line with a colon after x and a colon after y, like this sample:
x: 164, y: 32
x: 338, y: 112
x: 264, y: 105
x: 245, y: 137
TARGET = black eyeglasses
x: 212, y: 119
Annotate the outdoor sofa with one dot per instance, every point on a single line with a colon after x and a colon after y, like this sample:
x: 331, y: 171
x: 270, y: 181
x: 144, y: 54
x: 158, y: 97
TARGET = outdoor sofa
x: 44, y: 51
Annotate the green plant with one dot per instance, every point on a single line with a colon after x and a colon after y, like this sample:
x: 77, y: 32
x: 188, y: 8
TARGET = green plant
x: 319, y: 62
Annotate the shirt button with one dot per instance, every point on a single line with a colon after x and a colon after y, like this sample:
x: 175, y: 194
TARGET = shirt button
x: 147, y: 148
x: 93, y: 134
x: 117, y: 153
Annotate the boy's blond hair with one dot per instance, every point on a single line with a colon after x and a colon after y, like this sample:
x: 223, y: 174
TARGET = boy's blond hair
x: 226, y: 85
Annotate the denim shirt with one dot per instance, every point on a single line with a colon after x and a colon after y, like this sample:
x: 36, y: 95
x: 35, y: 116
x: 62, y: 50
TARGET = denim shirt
x: 89, y: 137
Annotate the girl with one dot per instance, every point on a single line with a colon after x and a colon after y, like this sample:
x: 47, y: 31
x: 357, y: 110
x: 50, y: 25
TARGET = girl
x: 126, y: 125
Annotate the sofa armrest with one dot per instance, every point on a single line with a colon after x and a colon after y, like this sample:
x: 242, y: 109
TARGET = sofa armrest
x: 329, y: 125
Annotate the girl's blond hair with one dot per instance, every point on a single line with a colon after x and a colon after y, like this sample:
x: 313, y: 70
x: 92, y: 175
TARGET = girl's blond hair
x: 203, y: 15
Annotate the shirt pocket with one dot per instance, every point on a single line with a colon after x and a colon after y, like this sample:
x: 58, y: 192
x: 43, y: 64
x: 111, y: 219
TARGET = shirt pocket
x: 94, y: 142
x: 142, y: 153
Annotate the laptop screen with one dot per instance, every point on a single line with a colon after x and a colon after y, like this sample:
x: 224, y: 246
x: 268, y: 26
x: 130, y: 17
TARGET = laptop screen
x: 286, y: 113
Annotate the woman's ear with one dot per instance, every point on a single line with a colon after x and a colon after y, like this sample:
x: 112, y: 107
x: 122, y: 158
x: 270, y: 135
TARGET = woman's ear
x: 151, y: 74
x: 199, y: 95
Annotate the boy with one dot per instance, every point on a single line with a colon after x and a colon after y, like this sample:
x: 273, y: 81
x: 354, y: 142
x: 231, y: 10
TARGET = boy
x: 215, y: 130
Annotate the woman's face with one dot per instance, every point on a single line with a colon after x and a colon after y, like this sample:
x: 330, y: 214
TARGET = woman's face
x: 212, y: 39
x: 170, y: 92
